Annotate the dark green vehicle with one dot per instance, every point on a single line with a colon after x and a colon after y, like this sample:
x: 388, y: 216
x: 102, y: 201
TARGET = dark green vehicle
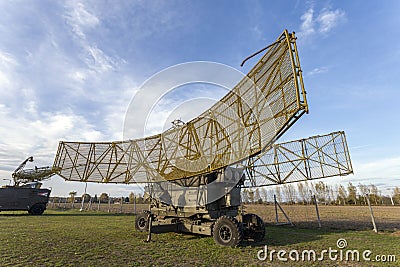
x: 26, y: 197
x: 26, y: 193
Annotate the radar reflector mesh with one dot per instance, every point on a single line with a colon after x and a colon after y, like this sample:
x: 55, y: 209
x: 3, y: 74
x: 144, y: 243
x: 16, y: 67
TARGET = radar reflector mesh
x: 315, y: 157
x: 243, y: 124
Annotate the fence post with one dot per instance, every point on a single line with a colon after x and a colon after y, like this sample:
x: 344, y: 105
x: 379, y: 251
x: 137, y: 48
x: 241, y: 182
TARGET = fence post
x: 83, y: 198
x: 109, y: 204
x: 372, y: 214
x: 316, y: 209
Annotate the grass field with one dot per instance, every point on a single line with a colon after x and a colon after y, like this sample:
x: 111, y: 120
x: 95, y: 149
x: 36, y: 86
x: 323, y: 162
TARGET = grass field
x: 73, y: 238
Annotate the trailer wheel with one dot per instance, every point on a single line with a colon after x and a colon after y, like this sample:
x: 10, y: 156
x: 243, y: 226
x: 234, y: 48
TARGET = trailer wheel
x: 253, y: 227
x: 37, y: 209
x: 227, y: 231
x: 141, y: 222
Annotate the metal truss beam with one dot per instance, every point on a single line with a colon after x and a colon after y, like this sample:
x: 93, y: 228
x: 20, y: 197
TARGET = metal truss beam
x: 242, y: 125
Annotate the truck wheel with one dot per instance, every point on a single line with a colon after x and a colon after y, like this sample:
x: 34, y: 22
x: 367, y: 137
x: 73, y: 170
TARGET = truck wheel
x: 141, y: 222
x: 253, y: 227
x: 227, y: 231
x: 37, y: 209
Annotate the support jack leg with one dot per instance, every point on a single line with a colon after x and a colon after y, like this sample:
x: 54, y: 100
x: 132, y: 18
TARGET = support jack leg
x: 150, y: 219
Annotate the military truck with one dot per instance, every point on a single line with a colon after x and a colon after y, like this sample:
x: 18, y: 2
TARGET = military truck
x: 26, y: 192
x: 210, y: 207
x: 28, y: 197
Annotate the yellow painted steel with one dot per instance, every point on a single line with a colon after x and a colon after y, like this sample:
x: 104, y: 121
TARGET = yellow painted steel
x: 311, y: 158
x: 242, y: 125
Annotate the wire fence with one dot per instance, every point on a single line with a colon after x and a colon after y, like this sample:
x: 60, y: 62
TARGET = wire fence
x: 115, y: 207
x: 331, y: 216
x: 304, y: 215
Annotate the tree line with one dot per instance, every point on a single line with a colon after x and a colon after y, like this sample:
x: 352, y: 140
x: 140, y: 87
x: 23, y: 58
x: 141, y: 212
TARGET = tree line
x: 102, y: 198
x: 302, y: 193
x: 299, y: 193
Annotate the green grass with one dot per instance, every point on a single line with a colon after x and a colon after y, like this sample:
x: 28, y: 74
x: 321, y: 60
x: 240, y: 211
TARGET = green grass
x: 71, y: 238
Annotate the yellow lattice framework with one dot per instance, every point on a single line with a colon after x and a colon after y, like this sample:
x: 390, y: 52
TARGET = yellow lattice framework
x: 314, y: 157
x: 239, y: 129
x: 243, y: 124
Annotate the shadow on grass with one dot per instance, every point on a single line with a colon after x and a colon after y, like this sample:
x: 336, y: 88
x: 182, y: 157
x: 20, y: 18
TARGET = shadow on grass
x: 275, y: 235
x: 91, y: 214
x: 351, y: 225
x: 284, y: 235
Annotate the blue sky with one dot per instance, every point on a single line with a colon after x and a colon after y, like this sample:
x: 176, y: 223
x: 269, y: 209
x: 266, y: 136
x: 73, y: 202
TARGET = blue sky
x: 68, y: 70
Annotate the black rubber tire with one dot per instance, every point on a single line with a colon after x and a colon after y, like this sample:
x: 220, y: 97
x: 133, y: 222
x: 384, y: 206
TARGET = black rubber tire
x: 37, y: 209
x: 253, y: 227
x: 142, y: 222
x: 227, y: 231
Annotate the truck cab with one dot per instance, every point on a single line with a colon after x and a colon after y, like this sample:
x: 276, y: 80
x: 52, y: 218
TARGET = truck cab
x: 26, y: 193
x: 29, y: 197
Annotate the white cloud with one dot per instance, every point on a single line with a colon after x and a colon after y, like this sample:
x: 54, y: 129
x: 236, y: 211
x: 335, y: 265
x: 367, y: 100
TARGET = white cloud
x: 22, y: 137
x: 307, y: 25
x: 82, y: 22
x: 98, y: 60
x: 114, y: 114
x: 328, y: 19
x: 257, y: 32
x: 7, y: 60
x: 8, y: 63
x: 384, y: 168
x: 80, y: 19
x: 62, y: 78
x: 317, y: 71
x: 323, y: 23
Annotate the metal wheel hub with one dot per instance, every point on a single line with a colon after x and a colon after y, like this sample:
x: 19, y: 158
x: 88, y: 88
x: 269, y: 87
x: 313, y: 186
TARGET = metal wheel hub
x: 142, y: 223
x: 225, y: 233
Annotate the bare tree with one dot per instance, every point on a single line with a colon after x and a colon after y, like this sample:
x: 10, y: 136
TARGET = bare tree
x: 289, y: 193
x: 132, y: 198
x: 257, y: 196
x: 72, y: 195
x: 264, y: 194
x: 278, y: 194
x: 374, y: 194
x: 321, y: 191
x: 104, y: 198
x: 251, y: 195
x: 331, y: 195
x: 364, y: 191
x: 396, y: 195
x: 245, y: 196
x: 342, y: 195
x: 352, y: 194
x: 302, y: 188
x: 271, y: 193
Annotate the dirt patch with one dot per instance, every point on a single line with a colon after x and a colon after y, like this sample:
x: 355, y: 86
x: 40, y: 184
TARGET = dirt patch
x: 333, y: 217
